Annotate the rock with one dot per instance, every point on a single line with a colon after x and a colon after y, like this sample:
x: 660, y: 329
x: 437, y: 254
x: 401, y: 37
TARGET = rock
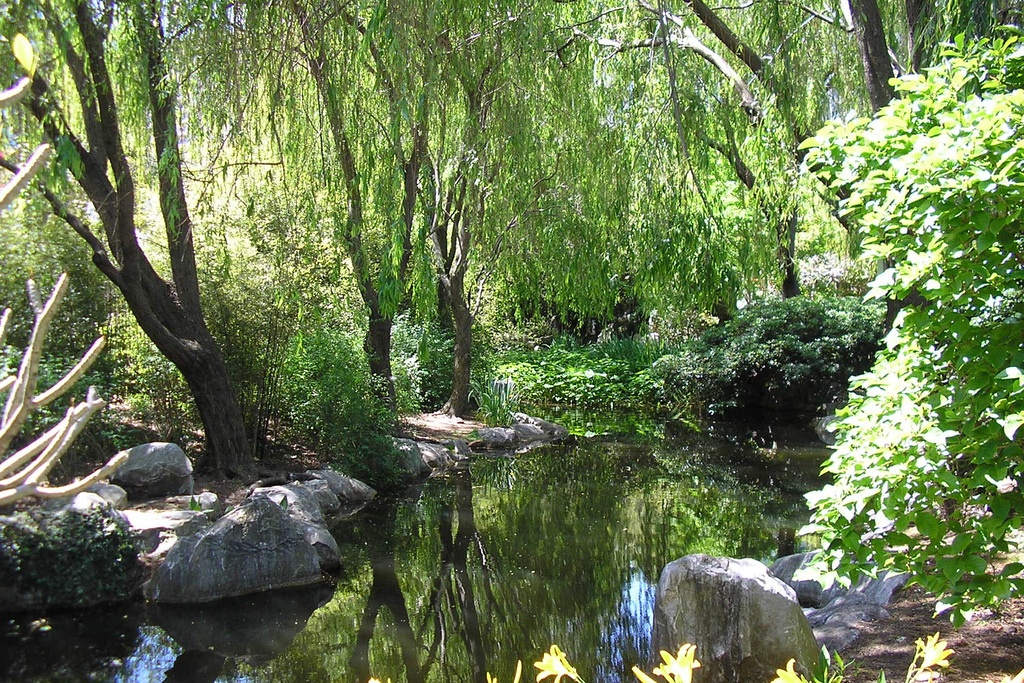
x: 438, y: 457
x: 809, y: 592
x: 296, y: 499
x: 87, y: 500
x: 552, y: 430
x: 526, y: 433
x: 326, y: 547
x: 838, y: 623
x: 838, y: 627
x: 207, y: 500
x: 745, y: 623
x: 326, y: 499
x: 823, y: 428
x: 153, y: 470
x: 348, y: 490
x: 156, y: 530
x: 254, y: 548
x: 116, y: 496
x: 97, y: 494
x: 497, y: 437
x: 410, y: 458
x: 459, y: 447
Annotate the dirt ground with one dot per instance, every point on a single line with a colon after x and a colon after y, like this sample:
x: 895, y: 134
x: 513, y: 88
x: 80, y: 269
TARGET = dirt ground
x: 987, y: 648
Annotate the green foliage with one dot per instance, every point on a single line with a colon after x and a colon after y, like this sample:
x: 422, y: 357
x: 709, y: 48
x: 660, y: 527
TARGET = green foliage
x: 612, y: 373
x: 421, y: 359
x: 795, y: 354
x: 929, y: 457
x: 68, y: 559
x: 329, y: 400
x: 496, y: 400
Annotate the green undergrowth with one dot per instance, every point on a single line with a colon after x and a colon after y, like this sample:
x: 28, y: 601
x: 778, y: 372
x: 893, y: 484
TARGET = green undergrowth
x: 789, y: 354
x: 616, y: 373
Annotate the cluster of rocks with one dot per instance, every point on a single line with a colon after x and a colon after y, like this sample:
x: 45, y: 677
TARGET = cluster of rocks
x: 277, y: 537
x: 524, y: 433
x: 747, y: 620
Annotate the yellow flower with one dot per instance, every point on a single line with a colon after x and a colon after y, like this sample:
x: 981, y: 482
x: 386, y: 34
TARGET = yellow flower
x: 519, y: 673
x: 933, y: 652
x: 1019, y: 678
x: 679, y: 669
x: 555, y: 664
x: 789, y: 674
x: 641, y: 676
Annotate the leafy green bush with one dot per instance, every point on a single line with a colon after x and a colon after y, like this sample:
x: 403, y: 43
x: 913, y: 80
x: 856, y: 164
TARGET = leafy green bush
x: 612, y: 373
x: 68, y: 559
x: 329, y: 399
x: 795, y: 353
x: 421, y: 358
x: 929, y: 457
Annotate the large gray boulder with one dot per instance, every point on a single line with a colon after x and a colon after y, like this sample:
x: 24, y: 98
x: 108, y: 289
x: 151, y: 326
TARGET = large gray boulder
x: 154, y: 470
x: 410, y: 459
x: 745, y: 623
x: 550, y: 429
x: 299, y: 501
x: 349, y: 491
x: 254, y: 548
x: 155, y: 531
x: 498, y: 437
x: 809, y: 592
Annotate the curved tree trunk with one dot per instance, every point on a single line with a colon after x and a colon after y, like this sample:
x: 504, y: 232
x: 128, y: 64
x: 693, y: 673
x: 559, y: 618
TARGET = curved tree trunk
x: 170, y: 313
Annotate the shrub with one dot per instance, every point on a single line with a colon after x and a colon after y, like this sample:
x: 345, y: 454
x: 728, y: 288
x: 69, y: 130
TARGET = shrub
x: 421, y: 358
x: 496, y: 399
x: 929, y: 455
x: 612, y: 373
x: 793, y: 353
x: 66, y: 559
x: 329, y: 399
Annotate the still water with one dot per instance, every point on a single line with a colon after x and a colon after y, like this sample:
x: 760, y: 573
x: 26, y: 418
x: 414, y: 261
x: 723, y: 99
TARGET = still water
x: 470, y: 572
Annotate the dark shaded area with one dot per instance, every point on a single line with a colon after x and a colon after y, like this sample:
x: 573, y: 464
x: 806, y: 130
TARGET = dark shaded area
x: 69, y: 645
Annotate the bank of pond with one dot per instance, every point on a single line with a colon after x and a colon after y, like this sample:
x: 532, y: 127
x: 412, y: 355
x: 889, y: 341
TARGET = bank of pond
x: 471, y: 571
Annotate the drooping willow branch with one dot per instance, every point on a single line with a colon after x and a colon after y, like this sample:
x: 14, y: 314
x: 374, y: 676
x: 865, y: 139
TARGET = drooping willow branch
x: 24, y: 472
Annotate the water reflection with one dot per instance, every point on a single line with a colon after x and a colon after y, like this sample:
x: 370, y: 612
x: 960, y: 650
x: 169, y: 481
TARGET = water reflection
x: 472, y: 572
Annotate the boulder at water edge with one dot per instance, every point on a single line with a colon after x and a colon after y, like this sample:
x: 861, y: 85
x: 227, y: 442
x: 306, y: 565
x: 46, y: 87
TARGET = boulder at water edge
x: 350, y: 492
x: 153, y: 470
x: 745, y: 623
x: 256, y: 547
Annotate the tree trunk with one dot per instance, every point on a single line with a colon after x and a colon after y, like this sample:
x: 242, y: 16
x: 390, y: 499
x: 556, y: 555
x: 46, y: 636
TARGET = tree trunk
x: 874, y: 51
x: 169, y: 313
x: 787, y: 251
x: 462, y: 317
x: 377, y: 345
x: 217, y: 403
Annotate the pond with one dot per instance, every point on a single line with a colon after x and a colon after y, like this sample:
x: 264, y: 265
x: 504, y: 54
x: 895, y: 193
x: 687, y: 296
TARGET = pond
x: 468, y: 573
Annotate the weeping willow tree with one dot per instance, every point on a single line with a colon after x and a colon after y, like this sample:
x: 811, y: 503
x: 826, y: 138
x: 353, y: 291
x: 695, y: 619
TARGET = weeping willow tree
x: 105, y: 96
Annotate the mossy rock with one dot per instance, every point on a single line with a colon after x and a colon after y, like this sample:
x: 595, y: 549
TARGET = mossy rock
x: 68, y: 558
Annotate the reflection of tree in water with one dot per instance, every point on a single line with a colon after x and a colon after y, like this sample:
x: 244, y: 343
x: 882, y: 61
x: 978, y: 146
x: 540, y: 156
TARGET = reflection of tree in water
x: 451, y: 603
